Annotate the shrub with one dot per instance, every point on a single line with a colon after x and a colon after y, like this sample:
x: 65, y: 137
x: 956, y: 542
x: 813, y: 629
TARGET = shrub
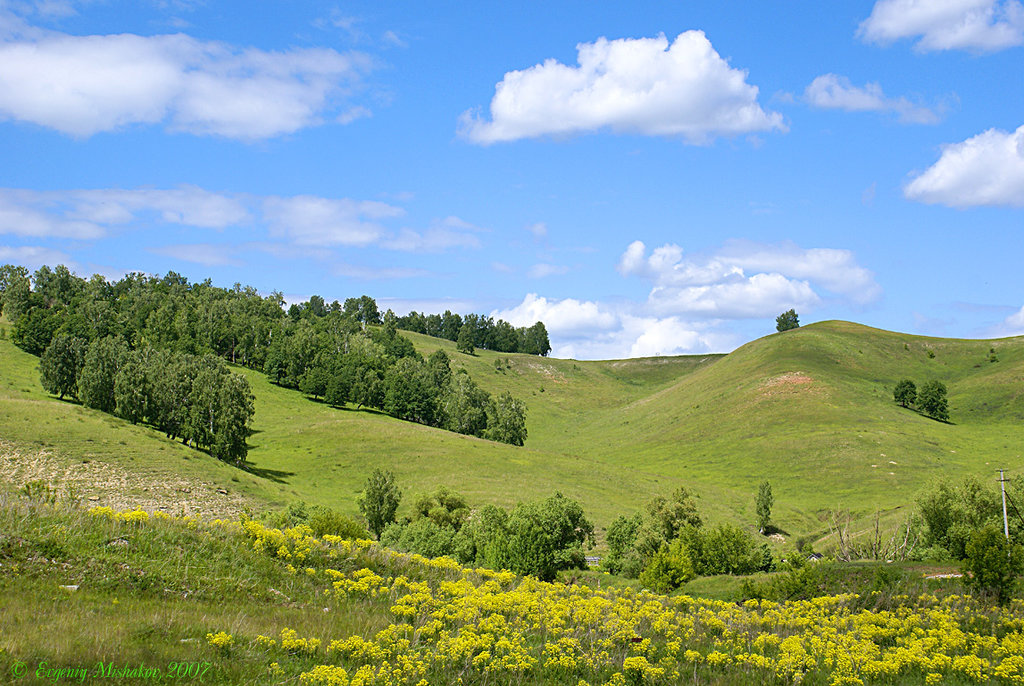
x: 993, y: 563
x: 324, y: 520
x: 668, y: 569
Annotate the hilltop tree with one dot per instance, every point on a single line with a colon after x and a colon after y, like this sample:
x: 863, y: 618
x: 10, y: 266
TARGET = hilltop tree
x: 787, y: 320
x: 379, y: 500
x: 932, y: 400
x: 764, y: 503
x: 905, y: 393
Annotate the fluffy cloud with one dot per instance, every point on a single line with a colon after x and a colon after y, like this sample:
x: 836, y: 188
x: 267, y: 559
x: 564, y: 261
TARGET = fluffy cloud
x: 299, y: 224
x: 89, y: 214
x: 569, y: 317
x: 81, y: 85
x: 541, y: 270
x: 206, y: 254
x: 33, y: 257
x: 312, y: 220
x: 1015, y: 322
x: 589, y: 330
x: 643, y: 85
x: 746, y: 280
x: 450, y: 232
x: 987, y: 169
x: 977, y: 25
x: 831, y: 91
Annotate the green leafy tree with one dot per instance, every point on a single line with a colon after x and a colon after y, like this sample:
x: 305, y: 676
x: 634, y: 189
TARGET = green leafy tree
x: 787, y: 320
x: 15, y: 291
x: 548, y: 536
x: 444, y: 507
x: 61, y: 364
x: 952, y: 512
x: 623, y: 557
x: 132, y: 387
x: 409, y: 393
x: 96, y: 381
x: 905, y: 393
x: 464, y: 341
x: 993, y: 564
x: 506, y: 420
x: 379, y: 500
x: 931, y: 400
x: 725, y: 549
x: 763, y: 505
x: 464, y: 405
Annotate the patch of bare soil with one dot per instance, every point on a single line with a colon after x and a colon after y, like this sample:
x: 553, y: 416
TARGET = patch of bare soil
x: 789, y: 383
x: 102, y: 483
x: 548, y: 372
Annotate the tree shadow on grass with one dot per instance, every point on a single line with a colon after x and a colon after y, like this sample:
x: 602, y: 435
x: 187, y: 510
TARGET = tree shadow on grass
x: 275, y: 475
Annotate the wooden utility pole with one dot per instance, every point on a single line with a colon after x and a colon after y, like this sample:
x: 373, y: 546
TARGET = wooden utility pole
x: 1006, y: 523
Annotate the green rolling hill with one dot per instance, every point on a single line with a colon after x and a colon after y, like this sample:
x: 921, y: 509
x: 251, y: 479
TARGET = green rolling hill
x: 811, y: 410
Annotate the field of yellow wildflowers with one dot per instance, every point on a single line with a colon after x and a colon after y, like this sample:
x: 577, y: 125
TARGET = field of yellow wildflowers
x: 415, y: 621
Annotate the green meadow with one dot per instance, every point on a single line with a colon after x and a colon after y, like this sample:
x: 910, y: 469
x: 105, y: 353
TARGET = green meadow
x: 810, y: 410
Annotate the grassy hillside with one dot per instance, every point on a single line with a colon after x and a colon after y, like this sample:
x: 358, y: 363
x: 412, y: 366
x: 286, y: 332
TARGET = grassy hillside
x: 810, y: 409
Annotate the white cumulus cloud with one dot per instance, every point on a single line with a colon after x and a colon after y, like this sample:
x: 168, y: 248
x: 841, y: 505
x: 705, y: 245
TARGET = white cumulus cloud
x: 976, y: 25
x: 987, y: 169
x: 313, y: 220
x: 746, y: 280
x: 82, y: 85
x: 643, y: 85
x: 832, y: 91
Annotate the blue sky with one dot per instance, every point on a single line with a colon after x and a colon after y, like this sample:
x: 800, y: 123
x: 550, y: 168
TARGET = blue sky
x: 646, y: 178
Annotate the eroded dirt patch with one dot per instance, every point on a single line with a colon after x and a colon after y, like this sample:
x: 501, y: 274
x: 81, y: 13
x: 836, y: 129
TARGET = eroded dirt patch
x: 102, y: 483
x: 788, y: 384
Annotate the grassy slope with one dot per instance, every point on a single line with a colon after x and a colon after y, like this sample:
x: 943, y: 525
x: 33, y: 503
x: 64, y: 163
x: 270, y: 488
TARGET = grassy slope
x: 810, y: 409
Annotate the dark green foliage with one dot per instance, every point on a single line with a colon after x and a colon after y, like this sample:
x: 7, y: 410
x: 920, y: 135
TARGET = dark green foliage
x: 623, y: 557
x: 787, y: 320
x: 667, y: 517
x: 725, y: 549
x: 952, y: 513
x: 483, y: 538
x: 61, y: 364
x: 668, y: 569
x: 482, y: 332
x: 464, y: 341
x: 132, y: 390
x: 905, y: 393
x: 34, y: 329
x: 993, y: 564
x: 931, y: 400
x: 444, y: 507
x: 96, y: 380
x: 464, y: 405
x: 15, y: 291
x: 763, y: 505
x: 379, y: 501
x: 327, y: 351
x: 537, y: 538
x: 506, y: 420
x: 423, y: 536
x: 548, y: 536
x: 410, y: 393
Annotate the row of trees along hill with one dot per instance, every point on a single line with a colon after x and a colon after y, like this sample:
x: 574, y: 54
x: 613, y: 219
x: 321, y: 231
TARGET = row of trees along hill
x: 336, y: 352
x: 192, y: 397
x: 478, y: 331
